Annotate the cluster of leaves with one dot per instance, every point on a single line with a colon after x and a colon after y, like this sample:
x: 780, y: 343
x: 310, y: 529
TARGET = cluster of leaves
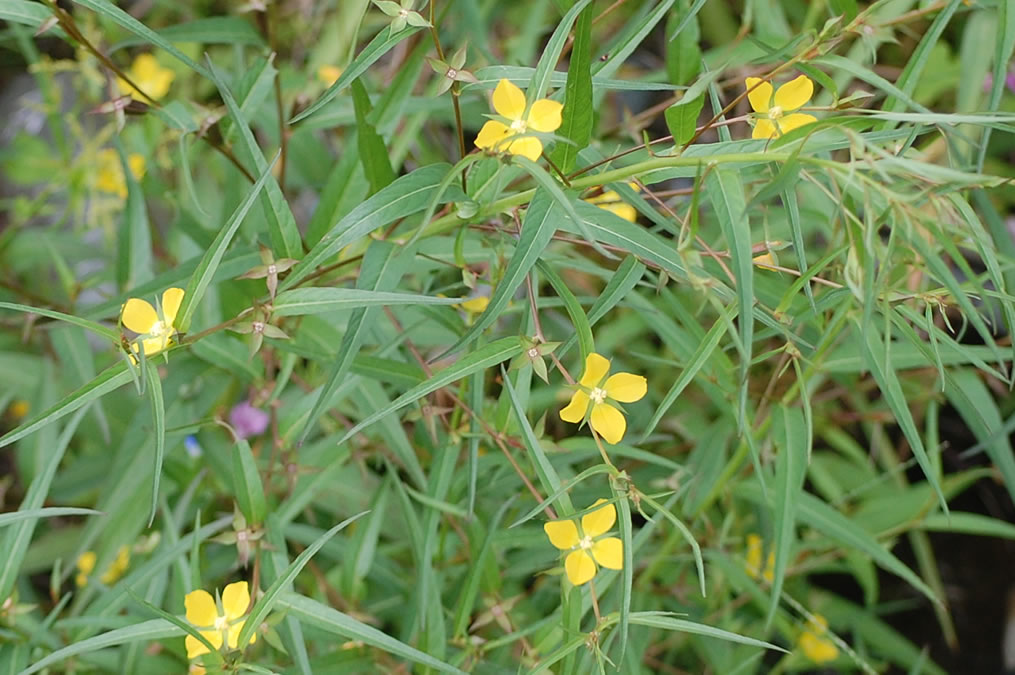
x: 347, y: 401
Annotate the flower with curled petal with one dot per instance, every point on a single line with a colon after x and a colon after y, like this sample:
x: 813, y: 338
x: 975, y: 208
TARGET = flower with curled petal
x: 777, y: 111
x: 587, y: 545
x: 217, y: 625
x: 595, y: 390
x: 155, y: 329
x: 509, y: 101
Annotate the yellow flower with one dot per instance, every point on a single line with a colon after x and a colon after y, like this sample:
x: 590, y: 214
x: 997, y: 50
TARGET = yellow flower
x: 815, y: 647
x: 595, y: 389
x: 476, y: 305
x: 204, y: 614
x: 328, y: 75
x: 109, y: 172
x: 157, y: 330
x: 753, y: 563
x: 18, y: 409
x: 509, y: 102
x: 778, y: 111
x: 196, y: 669
x: 86, y: 565
x: 153, y: 79
x: 612, y: 202
x: 587, y: 546
x: 765, y: 261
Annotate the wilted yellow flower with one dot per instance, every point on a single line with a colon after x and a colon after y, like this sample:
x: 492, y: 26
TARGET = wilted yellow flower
x: 777, y: 112
x: 156, y: 330
x: 595, y: 389
x: 753, y: 563
x: 814, y: 643
x: 612, y: 202
x: 587, y: 546
x: 509, y: 101
x: 86, y: 565
x: 152, y: 78
x: 328, y: 75
x: 109, y: 171
x: 204, y: 614
x: 196, y: 669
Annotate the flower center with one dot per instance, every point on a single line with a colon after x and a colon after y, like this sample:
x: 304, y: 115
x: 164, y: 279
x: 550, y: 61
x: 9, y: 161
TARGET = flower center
x: 158, y: 329
x: 257, y: 326
x: 221, y: 623
x: 775, y: 112
x: 518, y: 126
x: 598, y: 395
x: 272, y: 269
x: 533, y: 353
x: 585, y: 543
x: 452, y: 73
x: 403, y: 13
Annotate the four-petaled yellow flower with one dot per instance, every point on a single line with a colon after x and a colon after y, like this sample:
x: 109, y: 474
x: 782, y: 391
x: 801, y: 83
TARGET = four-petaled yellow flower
x: 778, y: 111
x: 86, y: 565
x: 204, y: 614
x: 156, y: 330
x: 152, y: 78
x: 753, y: 562
x: 587, y: 546
x: 509, y: 101
x: 109, y: 173
x: 594, y: 391
x: 612, y: 202
x: 814, y: 643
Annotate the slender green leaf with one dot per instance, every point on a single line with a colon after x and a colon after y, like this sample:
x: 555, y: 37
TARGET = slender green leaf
x: 303, y: 301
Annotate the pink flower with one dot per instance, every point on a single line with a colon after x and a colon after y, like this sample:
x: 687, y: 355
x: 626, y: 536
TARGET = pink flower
x: 247, y: 420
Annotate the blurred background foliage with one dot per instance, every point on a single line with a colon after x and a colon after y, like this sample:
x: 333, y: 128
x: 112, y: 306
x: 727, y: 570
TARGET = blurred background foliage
x: 825, y: 485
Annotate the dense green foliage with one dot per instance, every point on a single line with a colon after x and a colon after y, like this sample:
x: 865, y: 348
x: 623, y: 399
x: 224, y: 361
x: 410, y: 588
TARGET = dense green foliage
x: 354, y: 405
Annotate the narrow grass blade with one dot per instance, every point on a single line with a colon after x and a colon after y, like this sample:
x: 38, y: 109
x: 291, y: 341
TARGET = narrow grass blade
x: 158, y: 406
x: 308, y: 301
x: 148, y: 631
x: 202, y: 276
x: 333, y: 621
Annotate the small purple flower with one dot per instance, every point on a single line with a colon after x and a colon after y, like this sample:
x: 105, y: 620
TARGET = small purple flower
x: 1010, y: 82
x: 247, y: 420
x: 192, y: 446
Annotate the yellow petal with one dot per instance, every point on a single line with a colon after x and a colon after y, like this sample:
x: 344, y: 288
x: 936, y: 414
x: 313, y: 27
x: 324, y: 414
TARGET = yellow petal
x: 329, y: 74
x: 171, y: 299
x: 545, y: 115
x: 491, y: 135
x: 598, y: 522
x: 136, y: 163
x: 769, y: 573
x: 752, y: 562
x: 596, y: 367
x: 152, y: 345
x: 576, y: 409
x: 795, y: 93
x: 580, y: 567
x: 201, y: 610
x: 608, y: 422
x: 139, y: 316
x: 234, y: 635
x: 765, y: 261
x: 624, y: 210
x: 528, y: 146
x: 764, y: 129
x: 476, y: 305
x: 760, y: 98
x: 795, y: 121
x: 195, y: 647
x: 817, y: 649
x: 509, y: 100
x: 625, y: 387
x: 609, y: 552
x: 563, y: 534
x: 86, y: 563
x: 117, y: 568
x: 235, y: 600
